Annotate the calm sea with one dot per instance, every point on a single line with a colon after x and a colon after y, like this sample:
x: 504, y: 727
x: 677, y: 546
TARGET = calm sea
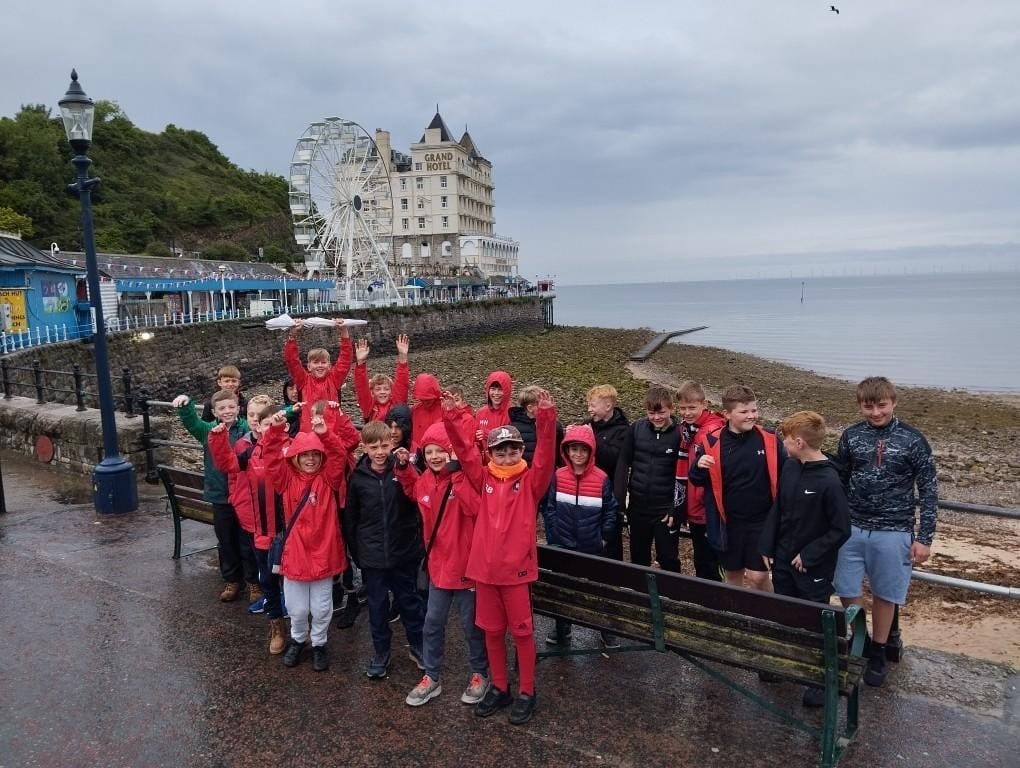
x: 937, y: 330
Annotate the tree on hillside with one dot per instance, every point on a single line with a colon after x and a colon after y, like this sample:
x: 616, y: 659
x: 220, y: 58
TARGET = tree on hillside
x: 14, y: 222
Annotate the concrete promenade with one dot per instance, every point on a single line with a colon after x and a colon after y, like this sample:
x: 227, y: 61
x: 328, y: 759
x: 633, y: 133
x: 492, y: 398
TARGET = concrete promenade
x: 115, y: 655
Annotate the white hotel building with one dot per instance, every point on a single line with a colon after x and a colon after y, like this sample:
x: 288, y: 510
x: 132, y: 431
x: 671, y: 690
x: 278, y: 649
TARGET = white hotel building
x: 443, y: 223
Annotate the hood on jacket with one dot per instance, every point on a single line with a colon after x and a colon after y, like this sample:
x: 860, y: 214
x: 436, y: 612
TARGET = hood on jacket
x: 400, y: 414
x: 304, y: 441
x: 505, y: 383
x: 426, y: 388
x: 579, y: 433
x: 437, y: 435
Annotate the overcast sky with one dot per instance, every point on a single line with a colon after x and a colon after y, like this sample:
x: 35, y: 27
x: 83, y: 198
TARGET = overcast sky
x: 630, y: 141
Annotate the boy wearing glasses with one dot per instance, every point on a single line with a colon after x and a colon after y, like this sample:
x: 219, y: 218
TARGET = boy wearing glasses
x: 504, y: 558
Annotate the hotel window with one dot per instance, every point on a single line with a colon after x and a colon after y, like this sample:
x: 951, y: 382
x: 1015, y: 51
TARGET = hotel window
x: 442, y: 182
x: 403, y: 183
x: 417, y: 166
x: 421, y: 222
x: 403, y: 203
x: 419, y: 183
x: 405, y: 223
x: 444, y: 202
x: 446, y: 222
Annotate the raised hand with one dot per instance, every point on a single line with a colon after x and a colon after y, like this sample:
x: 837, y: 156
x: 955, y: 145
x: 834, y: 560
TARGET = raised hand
x: 403, y: 345
x: 403, y: 456
x: 280, y: 417
x: 545, y: 400
x: 220, y: 427
x: 361, y: 350
x: 449, y: 401
x: 180, y: 400
x: 318, y: 425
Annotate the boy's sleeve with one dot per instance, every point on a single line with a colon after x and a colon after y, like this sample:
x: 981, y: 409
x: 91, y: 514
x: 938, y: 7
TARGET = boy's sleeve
x: 544, y: 461
x: 346, y: 432
x: 336, y: 460
x: 197, y: 428
x: 838, y: 513
x: 844, y: 459
x: 223, y: 456
x: 459, y: 428
x: 292, y: 359
x: 408, y: 477
x: 549, y: 511
x: 361, y: 390
x: 276, y: 466
x: 927, y: 482
x: 610, y: 509
x: 342, y: 367
x: 401, y: 383
x: 696, y: 474
x: 770, y: 529
x: 351, y: 520
x: 622, y: 478
x: 207, y: 414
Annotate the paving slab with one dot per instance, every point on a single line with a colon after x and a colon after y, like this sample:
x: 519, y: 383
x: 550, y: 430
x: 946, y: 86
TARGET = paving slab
x: 117, y: 655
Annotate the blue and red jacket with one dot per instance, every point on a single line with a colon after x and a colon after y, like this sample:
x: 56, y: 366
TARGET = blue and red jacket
x: 580, y: 509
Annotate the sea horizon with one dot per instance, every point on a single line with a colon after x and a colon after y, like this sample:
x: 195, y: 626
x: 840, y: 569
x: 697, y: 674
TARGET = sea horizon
x: 948, y: 330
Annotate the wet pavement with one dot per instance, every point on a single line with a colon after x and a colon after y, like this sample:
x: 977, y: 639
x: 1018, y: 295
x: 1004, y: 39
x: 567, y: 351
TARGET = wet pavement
x: 116, y: 655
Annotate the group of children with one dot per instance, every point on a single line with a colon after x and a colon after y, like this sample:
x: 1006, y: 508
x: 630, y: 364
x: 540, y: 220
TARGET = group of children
x: 434, y: 488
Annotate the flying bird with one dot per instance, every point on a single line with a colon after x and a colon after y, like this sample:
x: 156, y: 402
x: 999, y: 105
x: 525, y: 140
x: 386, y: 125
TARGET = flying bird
x: 834, y: 9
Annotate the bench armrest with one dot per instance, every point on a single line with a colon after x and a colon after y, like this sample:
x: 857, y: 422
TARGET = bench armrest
x: 858, y: 624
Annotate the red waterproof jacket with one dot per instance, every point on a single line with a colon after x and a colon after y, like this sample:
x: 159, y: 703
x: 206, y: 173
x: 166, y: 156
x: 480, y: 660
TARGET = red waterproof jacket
x: 246, y: 463
x: 314, y: 548
x: 370, y: 409
x: 427, y: 409
x: 312, y: 389
x: 689, y: 436
x: 488, y: 418
x: 237, y: 490
x: 448, y: 557
x: 504, y: 548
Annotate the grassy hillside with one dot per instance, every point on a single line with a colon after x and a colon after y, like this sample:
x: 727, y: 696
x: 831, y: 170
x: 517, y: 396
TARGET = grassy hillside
x: 159, y: 191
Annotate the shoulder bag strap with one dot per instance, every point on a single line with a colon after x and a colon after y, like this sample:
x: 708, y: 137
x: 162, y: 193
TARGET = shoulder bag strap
x: 439, y: 519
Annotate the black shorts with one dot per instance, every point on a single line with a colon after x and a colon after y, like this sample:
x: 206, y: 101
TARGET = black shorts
x: 742, y: 547
x: 814, y: 586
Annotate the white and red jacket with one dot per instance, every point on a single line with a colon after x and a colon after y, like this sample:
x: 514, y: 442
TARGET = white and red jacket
x: 314, y: 549
x: 312, y: 389
x: 448, y: 557
x: 689, y: 436
x: 504, y: 549
x: 251, y: 488
x: 370, y: 409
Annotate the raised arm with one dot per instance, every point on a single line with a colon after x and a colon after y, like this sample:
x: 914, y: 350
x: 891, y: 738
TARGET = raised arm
x: 342, y: 367
x: 335, y: 466
x: 460, y: 429
x: 362, y: 391
x: 402, y: 375
x: 544, y: 461
x: 223, y: 456
x: 275, y: 438
x: 197, y: 428
x: 292, y: 359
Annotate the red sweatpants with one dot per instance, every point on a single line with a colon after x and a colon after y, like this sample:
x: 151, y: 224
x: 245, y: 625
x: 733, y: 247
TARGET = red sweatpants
x: 497, y: 608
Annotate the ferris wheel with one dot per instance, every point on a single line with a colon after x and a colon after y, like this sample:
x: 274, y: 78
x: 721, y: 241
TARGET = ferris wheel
x: 342, y: 208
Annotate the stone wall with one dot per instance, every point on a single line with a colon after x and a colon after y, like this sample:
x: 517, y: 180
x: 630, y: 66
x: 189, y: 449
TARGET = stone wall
x: 165, y: 362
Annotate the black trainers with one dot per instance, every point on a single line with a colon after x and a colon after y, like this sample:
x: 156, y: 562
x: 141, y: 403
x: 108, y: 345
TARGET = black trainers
x: 292, y: 653
x: 320, y: 658
x: 378, y: 667
x: 349, y: 613
x: 878, y: 668
x: 813, y: 697
x: 493, y: 701
x: 523, y: 708
x: 553, y: 638
x: 610, y: 641
x: 769, y: 677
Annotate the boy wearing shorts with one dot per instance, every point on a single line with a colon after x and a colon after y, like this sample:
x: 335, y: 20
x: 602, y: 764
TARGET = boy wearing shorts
x: 882, y: 461
x: 738, y: 464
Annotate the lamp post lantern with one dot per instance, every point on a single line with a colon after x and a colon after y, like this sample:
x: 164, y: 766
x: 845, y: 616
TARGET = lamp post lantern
x: 113, y: 480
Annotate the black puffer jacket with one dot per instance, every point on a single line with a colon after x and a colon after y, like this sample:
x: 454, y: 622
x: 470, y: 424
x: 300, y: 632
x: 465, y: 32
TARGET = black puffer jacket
x: 526, y: 426
x: 646, y: 469
x: 609, y: 436
x: 382, y: 526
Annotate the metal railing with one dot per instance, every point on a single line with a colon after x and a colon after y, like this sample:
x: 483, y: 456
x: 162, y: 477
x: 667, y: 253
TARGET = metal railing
x: 18, y: 380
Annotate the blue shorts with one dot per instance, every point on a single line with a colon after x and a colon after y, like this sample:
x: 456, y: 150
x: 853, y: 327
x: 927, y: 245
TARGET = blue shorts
x: 884, y: 556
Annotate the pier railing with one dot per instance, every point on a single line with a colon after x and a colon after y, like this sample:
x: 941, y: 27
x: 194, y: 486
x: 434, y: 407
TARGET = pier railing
x: 34, y: 380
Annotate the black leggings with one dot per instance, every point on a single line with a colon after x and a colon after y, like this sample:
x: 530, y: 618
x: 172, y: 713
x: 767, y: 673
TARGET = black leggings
x: 643, y: 532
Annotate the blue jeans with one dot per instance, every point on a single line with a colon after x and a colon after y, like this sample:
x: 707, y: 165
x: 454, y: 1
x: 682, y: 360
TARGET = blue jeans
x: 270, y: 583
x: 440, y: 602
x: 402, y: 581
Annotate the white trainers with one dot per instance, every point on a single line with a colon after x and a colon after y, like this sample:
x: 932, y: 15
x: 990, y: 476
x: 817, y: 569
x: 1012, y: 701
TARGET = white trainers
x: 478, y: 686
x: 424, y: 692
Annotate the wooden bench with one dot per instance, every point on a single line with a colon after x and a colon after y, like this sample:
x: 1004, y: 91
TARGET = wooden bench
x: 798, y: 640
x: 184, y: 497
